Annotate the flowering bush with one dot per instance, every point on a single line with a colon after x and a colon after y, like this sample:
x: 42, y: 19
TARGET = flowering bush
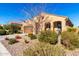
x: 18, y: 37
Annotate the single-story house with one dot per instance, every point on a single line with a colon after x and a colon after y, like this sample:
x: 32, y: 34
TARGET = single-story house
x: 46, y: 21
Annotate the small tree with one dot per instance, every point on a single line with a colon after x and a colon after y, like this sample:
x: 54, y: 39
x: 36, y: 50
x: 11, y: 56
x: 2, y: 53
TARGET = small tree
x: 12, y: 28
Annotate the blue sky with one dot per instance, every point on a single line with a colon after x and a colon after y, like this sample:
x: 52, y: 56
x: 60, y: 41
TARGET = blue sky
x: 13, y: 12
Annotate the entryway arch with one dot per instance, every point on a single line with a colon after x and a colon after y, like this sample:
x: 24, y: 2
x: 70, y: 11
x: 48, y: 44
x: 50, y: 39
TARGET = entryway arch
x: 57, y: 25
x: 47, y: 26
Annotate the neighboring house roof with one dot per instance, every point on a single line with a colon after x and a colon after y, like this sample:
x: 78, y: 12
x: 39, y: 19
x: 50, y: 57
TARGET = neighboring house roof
x: 1, y: 24
x: 14, y: 22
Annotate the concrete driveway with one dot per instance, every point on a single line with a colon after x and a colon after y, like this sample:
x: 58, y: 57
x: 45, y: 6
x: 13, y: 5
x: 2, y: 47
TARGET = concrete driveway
x: 3, y: 51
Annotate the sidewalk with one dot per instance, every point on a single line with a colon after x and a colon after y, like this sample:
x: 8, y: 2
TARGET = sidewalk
x: 3, y: 51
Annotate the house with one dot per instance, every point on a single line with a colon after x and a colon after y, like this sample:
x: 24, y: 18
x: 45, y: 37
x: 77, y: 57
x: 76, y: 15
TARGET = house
x: 46, y: 21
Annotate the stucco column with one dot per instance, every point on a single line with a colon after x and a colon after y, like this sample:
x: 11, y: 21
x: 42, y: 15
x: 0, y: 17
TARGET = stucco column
x: 34, y: 28
x: 63, y: 25
x: 22, y: 28
x: 43, y: 26
x: 51, y: 26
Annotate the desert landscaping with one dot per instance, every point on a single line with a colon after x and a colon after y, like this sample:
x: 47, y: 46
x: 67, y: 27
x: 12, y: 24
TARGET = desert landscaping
x: 37, y: 31
x: 45, y: 45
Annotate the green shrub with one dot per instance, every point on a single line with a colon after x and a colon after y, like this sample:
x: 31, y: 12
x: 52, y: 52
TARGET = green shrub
x: 6, y: 38
x: 26, y: 41
x: 32, y: 36
x: 1, y: 27
x: 70, y: 40
x: 7, y: 32
x: 44, y: 49
x: 12, y: 41
x: 71, y: 29
x: 13, y: 28
x: 48, y: 36
x: 2, y: 32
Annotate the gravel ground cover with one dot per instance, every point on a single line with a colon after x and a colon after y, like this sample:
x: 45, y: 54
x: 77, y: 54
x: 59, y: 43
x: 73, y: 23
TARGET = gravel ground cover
x: 17, y: 48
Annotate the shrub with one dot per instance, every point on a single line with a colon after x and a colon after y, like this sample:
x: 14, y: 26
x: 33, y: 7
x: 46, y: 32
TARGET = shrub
x: 32, y: 36
x: 18, y: 37
x: 2, y: 32
x: 26, y: 41
x: 13, y: 28
x: 1, y: 27
x: 44, y: 49
x: 7, y: 32
x: 12, y: 41
x: 6, y: 38
x: 48, y: 36
x: 70, y: 40
x: 71, y: 29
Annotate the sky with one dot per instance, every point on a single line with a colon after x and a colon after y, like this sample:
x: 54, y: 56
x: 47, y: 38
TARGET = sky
x: 10, y: 12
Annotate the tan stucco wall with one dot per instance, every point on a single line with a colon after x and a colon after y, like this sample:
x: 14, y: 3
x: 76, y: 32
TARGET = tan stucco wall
x: 53, y: 19
x: 47, y: 18
x: 27, y: 23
